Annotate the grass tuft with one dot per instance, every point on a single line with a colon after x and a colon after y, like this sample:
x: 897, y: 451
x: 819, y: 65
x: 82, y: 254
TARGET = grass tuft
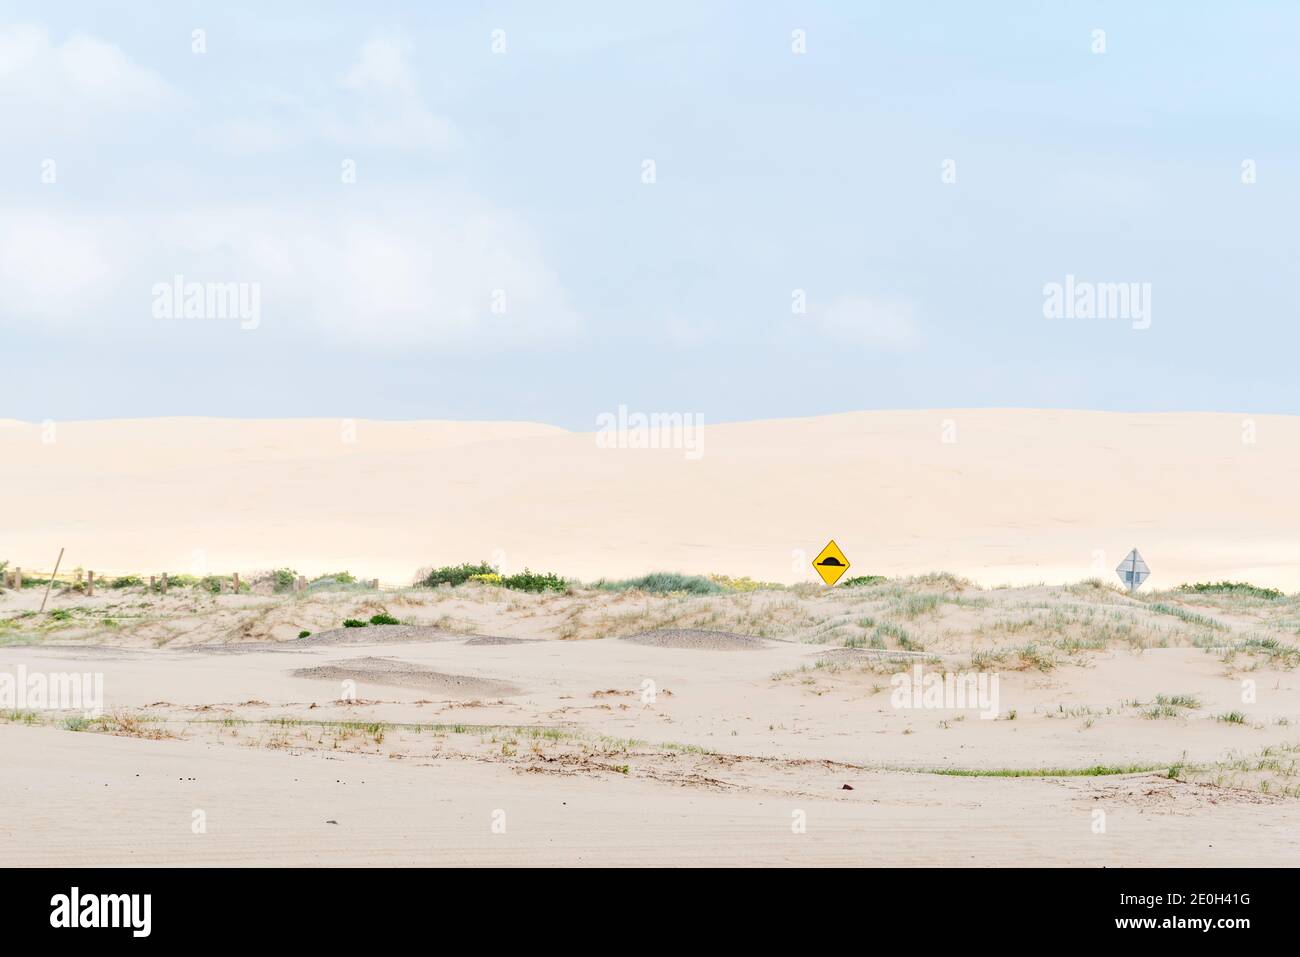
x: 664, y: 583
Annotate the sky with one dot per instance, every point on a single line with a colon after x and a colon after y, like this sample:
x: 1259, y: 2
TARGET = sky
x: 742, y: 211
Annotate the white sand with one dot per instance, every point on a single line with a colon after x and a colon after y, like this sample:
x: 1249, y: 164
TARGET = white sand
x: 776, y: 748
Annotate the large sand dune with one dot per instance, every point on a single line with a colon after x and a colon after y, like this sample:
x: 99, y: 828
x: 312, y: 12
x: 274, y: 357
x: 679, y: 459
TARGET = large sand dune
x: 1019, y: 496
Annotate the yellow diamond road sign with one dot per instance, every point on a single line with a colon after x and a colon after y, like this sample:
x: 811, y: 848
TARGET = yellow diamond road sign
x: 831, y: 563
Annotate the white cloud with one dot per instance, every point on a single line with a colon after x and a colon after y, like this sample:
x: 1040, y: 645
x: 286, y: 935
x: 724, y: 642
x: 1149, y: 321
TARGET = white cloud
x: 383, y: 106
x: 377, y: 104
x: 381, y: 66
x: 80, y: 76
x: 411, y: 272
x: 52, y: 266
x: 867, y: 321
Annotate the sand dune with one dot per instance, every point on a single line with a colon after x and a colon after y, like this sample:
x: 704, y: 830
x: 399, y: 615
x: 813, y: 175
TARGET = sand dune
x: 1017, y: 496
x: 721, y: 727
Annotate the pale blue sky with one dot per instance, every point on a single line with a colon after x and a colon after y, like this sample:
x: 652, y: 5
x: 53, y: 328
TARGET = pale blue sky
x: 523, y: 171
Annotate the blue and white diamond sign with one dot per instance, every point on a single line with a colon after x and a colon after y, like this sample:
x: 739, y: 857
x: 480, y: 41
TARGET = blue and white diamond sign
x: 1133, y: 570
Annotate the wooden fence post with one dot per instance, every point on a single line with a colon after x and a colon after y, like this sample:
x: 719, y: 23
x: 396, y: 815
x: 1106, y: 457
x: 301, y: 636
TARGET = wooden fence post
x: 18, y: 578
x: 164, y: 582
x: 50, y: 584
x: 235, y: 582
x: 90, y: 584
x: 153, y: 584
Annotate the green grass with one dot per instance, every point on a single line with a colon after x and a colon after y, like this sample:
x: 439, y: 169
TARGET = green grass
x: 380, y: 619
x: 1096, y: 770
x: 1232, y: 588
x: 1231, y: 717
x: 1161, y: 711
x: 1171, y: 706
x: 663, y: 583
x: 914, y: 606
x: 353, y: 623
x: 1274, y: 649
x: 861, y: 581
x: 906, y: 642
x: 1188, y: 616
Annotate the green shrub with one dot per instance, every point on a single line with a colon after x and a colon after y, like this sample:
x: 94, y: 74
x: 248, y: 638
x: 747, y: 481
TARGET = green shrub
x: 456, y: 574
x: 492, y: 578
x: 384, y: 619
x: 342, y: 578
x: 535, y: 582
x: 353, y: 623
x: 60, y: 614
x: 862, y: 580
x: 284, y: 579
x: 1232, y: 588
x: 304, y: 634
x: 127, y: 581
x: 211, y: 583
x: 344, y: 581
x: 663, y: 583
